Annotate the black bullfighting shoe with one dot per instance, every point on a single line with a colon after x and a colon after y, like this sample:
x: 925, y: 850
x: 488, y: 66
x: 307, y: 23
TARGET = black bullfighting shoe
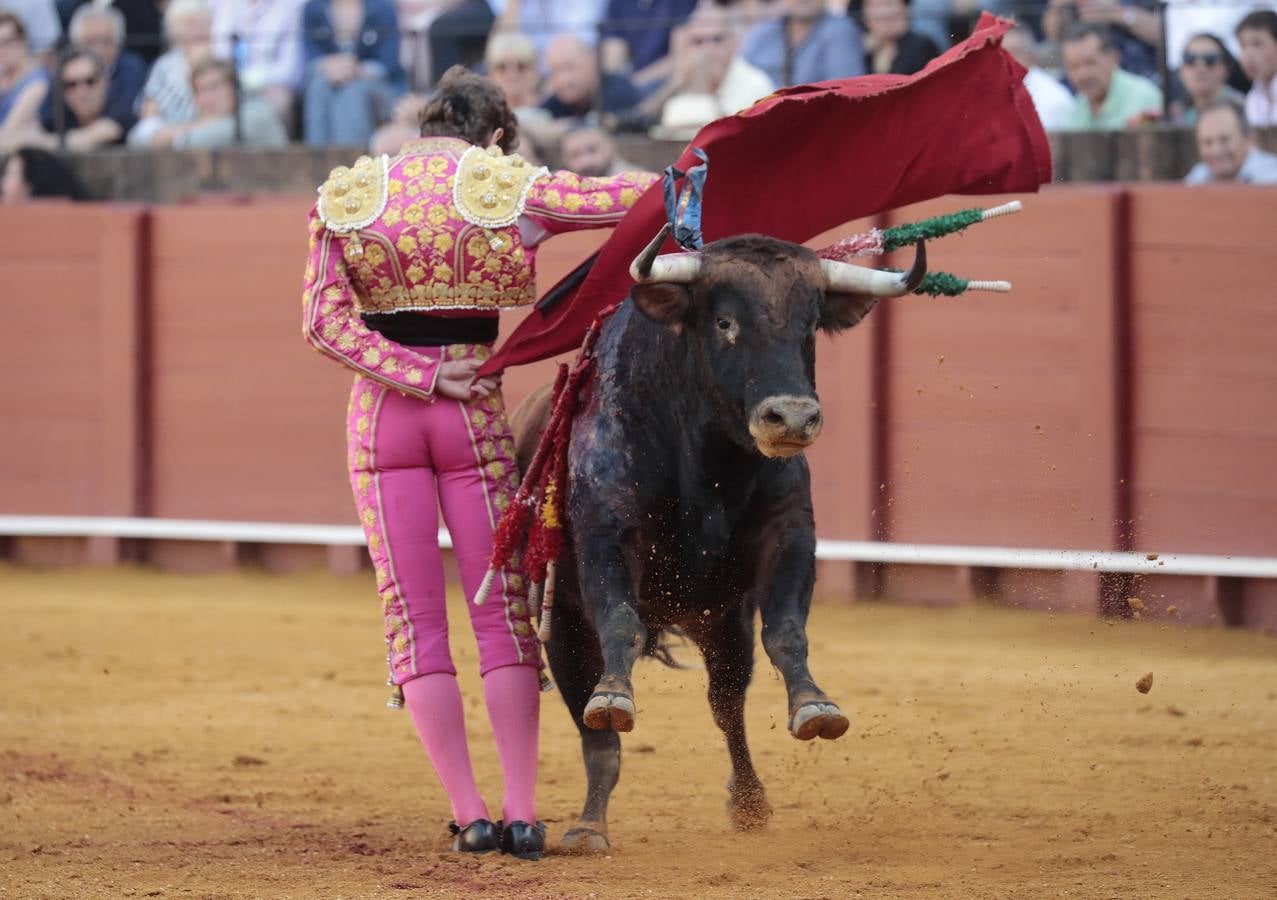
x: 480, y: 836
x: 523, y: 840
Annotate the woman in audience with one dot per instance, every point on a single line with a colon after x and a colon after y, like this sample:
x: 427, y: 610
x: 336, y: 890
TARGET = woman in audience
x: 511, y: 61
x: 167, y: 97
x: 891, y: 46
x: 214, y: 89
x: 23, y: 83
x: 352, y: 69
x: 1204, y: 69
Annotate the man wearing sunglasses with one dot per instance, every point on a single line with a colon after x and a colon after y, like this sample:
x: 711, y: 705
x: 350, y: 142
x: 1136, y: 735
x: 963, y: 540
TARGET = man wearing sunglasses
x: 89, y: 121
x: 101, y: 31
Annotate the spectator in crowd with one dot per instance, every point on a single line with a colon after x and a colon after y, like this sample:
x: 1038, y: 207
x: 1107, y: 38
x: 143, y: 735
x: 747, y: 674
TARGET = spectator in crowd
x: 1227, y: 149
x: 268, y: 50
x: 805, y: 44
x: 948, y: 21
x: 587, y: 149
x: 39, y: 20
x: 100, y: 30
x: 143, y: 26
x: 891, y: 46
x: 1051, y: 99
x: 546, y: 20
x: 458, y: 36
x: 1203, y: 70
x: 1257, y: 34
x: 577, y: 86
x: 143, y: 22
x: 1108, y: 98
x: 90, y: 121
x: 23, y: 81
x: 352, y: 69
x: 30, y: 173
x: 708, y: 80
x: 1134, y: 25
x: 636, y: 37
x: 511, y: 61
x: 166, y: 96
x: 213, y: 86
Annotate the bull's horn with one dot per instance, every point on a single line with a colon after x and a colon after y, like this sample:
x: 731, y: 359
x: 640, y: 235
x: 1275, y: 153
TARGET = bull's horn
x: 848, y: 278
x: 676, y: 268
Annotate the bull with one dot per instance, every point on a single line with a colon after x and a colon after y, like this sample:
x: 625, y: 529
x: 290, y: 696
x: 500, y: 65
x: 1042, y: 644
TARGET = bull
x: 689, y: 500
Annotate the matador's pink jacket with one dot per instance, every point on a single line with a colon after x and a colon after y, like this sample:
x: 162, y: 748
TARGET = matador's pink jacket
x: 444, y: 227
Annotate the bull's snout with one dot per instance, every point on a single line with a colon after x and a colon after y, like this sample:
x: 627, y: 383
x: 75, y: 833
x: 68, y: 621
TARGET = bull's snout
x: 785, y: 425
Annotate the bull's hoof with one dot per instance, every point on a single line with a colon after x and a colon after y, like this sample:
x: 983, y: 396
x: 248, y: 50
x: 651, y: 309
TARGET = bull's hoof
x: 818, y: 719
x: 749, y: 810
x: 609, y: 710
x: 585, y: 839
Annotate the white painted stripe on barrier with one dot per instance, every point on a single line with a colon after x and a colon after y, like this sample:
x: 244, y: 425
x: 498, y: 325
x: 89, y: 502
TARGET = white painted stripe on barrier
x: 188, y: 530
x: 1055, y: 560
x: 839, y: 551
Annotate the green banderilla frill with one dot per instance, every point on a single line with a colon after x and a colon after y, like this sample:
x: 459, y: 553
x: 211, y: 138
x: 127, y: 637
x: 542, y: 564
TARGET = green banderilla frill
x: 941, y: 284
x: 945, y: 284
x: 929, y: 229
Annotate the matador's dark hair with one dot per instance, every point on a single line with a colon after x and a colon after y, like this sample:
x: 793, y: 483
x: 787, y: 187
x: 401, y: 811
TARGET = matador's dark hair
x: 470, y: 107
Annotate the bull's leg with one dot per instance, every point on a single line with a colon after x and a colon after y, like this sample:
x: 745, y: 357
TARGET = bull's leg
x: 577, y: 664
x: 784, y: 607
x: 607, y: 587
x: 728, y: 647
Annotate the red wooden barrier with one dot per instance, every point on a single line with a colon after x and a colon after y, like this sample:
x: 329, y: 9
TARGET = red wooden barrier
x: 1122, y: 396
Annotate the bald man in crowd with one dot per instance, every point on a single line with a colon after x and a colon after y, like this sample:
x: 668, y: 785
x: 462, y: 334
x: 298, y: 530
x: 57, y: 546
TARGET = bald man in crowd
x: 576, y: 85
x: 1228, y: 151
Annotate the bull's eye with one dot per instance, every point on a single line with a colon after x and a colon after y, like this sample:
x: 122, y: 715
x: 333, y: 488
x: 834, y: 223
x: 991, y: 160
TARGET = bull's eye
x: 727, y: 329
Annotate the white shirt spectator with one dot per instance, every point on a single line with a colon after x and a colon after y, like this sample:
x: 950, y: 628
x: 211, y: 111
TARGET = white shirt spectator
x: 1051, y: 99
x: 1260, y: 167
x: 39, y: 18
x: 742, y: 86
x: 1261, y: 103
x: 270, y: 50
x: 544, y: 20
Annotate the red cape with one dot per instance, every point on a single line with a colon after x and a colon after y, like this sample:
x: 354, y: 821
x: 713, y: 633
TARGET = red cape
x: 815, y: 156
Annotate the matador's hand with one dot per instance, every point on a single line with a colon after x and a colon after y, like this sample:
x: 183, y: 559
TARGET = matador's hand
x: 455, y: 377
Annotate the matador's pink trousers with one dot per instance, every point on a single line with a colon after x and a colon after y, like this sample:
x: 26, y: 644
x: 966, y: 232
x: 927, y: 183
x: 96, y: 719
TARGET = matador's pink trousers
x: 409, y: 457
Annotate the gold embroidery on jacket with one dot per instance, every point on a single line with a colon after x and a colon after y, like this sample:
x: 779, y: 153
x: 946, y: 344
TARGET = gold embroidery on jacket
x: 490, y: 188
x: 354, y: 197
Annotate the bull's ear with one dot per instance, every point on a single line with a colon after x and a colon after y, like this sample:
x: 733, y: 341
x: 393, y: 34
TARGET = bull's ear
x: 838, y: 312
x: 664, y: 303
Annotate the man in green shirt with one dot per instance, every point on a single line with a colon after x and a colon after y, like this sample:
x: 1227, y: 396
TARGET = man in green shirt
x: 1107, y: 97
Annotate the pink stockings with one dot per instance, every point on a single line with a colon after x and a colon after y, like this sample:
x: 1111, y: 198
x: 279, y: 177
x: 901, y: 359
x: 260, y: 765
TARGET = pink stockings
x: 408, y: 458
x: 512, y: 694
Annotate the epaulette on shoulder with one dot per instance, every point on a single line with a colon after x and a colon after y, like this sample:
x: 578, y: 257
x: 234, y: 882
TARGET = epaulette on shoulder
x: 353, y: 198
x: 491, y: 188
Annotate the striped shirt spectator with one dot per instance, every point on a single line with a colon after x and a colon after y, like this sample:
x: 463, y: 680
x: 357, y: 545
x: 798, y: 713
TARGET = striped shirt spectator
x: 167, y: 97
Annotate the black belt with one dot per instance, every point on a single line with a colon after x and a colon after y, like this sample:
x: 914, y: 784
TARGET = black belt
x: 422, y: 330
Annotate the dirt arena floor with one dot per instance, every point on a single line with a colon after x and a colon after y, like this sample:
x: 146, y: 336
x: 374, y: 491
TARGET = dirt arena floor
x: 225, y: 736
